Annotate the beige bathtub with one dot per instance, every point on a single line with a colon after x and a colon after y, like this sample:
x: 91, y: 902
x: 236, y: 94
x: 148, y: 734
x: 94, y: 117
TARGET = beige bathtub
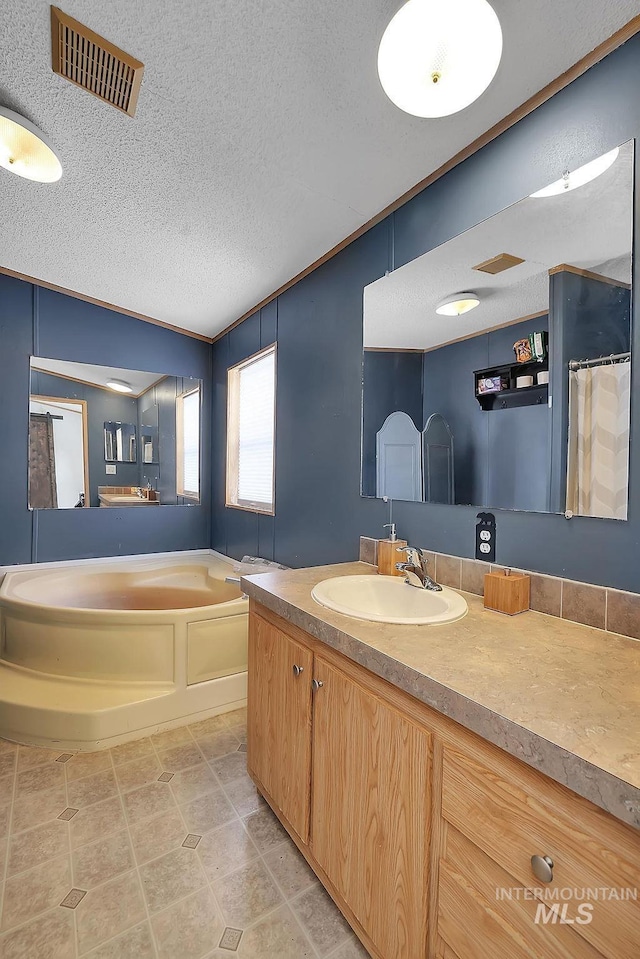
x: 93, y: 655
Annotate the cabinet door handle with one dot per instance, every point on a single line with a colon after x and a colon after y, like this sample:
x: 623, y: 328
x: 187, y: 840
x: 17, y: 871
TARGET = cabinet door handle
x: 316, y: 684
x: 542, y: 868
x: 297, y: 669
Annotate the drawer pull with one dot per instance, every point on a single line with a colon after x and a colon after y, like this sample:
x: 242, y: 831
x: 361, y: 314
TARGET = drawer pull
x: 317, y: 684
x: 542, y: 868
x: 297, y: 669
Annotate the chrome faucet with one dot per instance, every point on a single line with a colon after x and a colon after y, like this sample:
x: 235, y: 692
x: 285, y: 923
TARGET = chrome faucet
x: 415, y: 568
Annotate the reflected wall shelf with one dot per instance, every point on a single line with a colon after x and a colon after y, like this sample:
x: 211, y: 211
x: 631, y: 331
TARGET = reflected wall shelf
x: 511, y: 397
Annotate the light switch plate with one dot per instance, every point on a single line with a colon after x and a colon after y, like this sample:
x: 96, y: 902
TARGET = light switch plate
x: 110, y: 470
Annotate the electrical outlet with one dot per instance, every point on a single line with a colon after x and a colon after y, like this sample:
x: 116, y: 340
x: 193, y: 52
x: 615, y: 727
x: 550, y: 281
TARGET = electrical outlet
x: 486, y: 537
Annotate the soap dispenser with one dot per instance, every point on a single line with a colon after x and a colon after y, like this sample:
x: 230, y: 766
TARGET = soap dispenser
x: 388, y: 554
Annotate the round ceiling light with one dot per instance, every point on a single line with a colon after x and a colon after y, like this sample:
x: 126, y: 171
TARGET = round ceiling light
x: 584, y: 174
x: 437, y: 56
x: 458, y: 304
x: 24, y: 149
x: 120, y: 386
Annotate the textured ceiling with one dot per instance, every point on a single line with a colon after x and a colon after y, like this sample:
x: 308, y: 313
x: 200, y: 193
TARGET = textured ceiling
x: 590, y: 228
x: 98, y: 375
x: 262, y: 138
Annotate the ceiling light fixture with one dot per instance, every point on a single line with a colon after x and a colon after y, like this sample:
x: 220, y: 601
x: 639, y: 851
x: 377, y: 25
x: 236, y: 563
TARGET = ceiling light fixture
x: 458, y: 304
x: 584, y: 174
x: 24, y: 149
x: 437, y: 56
x: 120, y: 386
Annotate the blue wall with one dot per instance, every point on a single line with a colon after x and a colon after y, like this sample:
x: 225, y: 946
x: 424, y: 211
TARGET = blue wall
x: 502, y: 456
x: 36, y: 321
x: 318, y: 326
x: 392, y: 381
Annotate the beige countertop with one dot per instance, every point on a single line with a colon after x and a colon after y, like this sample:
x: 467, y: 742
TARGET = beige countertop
x: 125, y: 499
x: 563, y: 698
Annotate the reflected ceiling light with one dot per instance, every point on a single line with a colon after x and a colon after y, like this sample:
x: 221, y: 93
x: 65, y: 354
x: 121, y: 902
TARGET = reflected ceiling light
x: 584, y: 174
x: 120, y: 386
x: 25, y: 150
x: 458, y: 304
x: 437, y: 56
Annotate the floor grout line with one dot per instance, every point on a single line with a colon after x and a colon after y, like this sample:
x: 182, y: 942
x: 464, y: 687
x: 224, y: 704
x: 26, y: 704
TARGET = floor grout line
x: 136, y: 867
x: 290, y: 900
x: 245, y: 809
x: 71, y: 863
x: 9, y: 832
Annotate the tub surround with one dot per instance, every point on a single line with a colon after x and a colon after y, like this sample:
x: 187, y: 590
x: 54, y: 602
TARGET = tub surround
x: 558, y: 695
x: 95, y: 656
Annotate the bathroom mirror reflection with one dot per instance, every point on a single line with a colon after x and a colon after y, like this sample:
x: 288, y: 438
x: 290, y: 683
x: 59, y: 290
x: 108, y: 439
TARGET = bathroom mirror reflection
x: 106, y: 437
x: 120, y: 442
x: 516, y: 395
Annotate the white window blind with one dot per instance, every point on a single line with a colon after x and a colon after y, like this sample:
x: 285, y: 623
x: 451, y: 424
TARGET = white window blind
x: 250, y: 452
x: 189, y: 466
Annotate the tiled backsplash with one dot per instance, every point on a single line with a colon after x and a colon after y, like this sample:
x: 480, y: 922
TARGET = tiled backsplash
x: 598, y: 606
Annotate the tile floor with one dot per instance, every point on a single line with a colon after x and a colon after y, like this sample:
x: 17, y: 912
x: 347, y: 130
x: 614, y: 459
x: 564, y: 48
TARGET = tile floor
x: 157, y: 849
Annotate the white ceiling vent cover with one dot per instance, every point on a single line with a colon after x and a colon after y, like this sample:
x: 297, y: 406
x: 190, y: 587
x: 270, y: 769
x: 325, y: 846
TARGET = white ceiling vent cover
x: 93, y: 63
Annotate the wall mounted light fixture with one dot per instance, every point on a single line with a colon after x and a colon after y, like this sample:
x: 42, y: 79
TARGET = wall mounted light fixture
x: 25, y: 150
x: 457, y: 304
x: 120, y: 386
x: 437, y: 56
x: 584, y: 174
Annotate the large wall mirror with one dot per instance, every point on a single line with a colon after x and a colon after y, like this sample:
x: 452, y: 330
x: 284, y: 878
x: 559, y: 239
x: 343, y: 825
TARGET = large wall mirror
x: 496, y: 367
x: 100, y: 436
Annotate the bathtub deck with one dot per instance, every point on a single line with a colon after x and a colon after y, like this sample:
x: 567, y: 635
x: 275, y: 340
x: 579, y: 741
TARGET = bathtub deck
x: 158, y: 848
x: 98, y: 656
x: 48, y: 709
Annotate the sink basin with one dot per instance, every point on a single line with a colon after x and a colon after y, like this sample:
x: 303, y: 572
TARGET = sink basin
x: 388, y: 599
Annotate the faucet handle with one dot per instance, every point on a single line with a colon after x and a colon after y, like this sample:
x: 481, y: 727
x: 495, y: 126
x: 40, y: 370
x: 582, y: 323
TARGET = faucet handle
x: 412, y: 554
x: 415, y: 555
x: 406, y: 549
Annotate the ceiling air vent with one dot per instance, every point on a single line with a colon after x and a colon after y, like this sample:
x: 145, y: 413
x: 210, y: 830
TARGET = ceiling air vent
x: 499, y: 263
x: 93, y: 63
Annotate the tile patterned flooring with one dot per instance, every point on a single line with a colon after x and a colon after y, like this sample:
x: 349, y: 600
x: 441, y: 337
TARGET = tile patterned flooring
x: 156, y: 849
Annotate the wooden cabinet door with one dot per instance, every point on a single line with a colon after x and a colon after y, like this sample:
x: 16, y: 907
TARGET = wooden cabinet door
x: 370, y: 808
x: 279, y: 720
x: 498, y: 813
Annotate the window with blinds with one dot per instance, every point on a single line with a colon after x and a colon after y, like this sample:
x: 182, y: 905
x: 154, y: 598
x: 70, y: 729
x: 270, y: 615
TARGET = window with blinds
x: 188, y: 445
x: 251, y: 393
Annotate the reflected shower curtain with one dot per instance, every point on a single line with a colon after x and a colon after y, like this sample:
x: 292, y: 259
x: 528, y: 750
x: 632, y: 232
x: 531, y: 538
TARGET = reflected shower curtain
x: 598, y: 454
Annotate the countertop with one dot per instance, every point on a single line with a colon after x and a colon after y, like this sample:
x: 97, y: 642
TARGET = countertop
x: 561, y: 697
x: 124, y: 499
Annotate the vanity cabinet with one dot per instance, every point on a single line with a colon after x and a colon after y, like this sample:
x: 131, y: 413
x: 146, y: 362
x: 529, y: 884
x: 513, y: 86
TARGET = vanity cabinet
x: 279, y: 720
x: 370, y: 818
x: 496, y: 815
x: 367, y: 790
x: 422, y: 831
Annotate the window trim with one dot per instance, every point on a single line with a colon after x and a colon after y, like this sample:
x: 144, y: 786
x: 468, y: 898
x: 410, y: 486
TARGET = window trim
x: 180, y: 491
x: 233, y: 433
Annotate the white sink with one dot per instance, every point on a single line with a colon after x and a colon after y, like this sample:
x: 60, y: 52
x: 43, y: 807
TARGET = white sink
x: 388, y: 599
